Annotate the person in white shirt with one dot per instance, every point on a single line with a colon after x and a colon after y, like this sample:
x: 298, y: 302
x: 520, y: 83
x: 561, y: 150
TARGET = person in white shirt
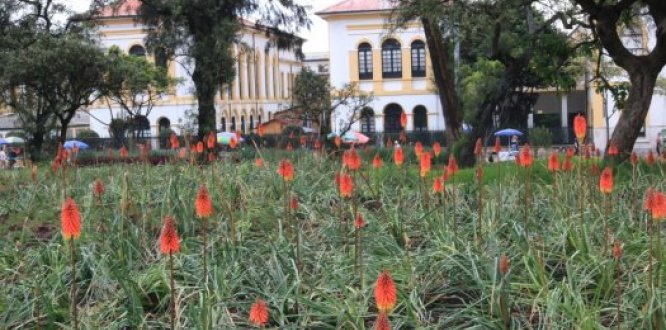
x: 3, y: 158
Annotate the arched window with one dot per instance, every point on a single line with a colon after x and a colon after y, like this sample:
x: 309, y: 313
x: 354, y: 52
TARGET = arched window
x: 137, y: 50
x: 418, y: 59
x: 242, y: 128
x: 367, y: 120
x: 420, y: 119
x: 223, y: 125
x: 392, y: 114
x: 233, y: 123
x: 251, y: 122
x: 391, y: 59
x: 365, y: 61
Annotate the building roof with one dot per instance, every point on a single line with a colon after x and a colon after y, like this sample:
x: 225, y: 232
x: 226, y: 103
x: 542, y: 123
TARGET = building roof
x: 126, y: 8
x: 353, y: 6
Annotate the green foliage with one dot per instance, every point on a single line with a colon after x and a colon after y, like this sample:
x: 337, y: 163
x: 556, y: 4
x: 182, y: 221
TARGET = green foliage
x: 87, y: 134
x: 541, y: 137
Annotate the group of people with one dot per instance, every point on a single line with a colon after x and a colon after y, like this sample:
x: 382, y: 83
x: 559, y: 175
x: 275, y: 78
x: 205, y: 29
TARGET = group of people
x: 9, y: 156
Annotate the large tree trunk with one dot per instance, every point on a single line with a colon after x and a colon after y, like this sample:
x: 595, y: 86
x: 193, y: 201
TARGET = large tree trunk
x: 444, y: 79
x: 205, y: 90
x: 636, y: 108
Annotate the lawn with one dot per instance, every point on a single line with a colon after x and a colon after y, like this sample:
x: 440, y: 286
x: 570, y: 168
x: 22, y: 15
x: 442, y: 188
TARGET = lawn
x: 313, y: 266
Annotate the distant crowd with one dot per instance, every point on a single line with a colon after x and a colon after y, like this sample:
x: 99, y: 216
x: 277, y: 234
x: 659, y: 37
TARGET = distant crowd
x: 9, y: 156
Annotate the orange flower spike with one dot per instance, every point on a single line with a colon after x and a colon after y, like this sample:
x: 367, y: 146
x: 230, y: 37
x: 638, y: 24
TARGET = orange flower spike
x: 403, y: 119
x: 359, y: 222
x: 169, y: 241
x: 659, y: 206
x: 567, y: 165
x: 478, y: 148
x: 526, y: 158
x: 286, y: 170
x: 398, y: 156
x: 293, y: 203
x: 182, y: 153
x: 418, y: 148
x: 338, y: 141
x: 233, y: 143
x: 382, y: 322
x: 303, y: 141
x: 291, y: 135
x: 351, y: 159
x: 211, y: 157
x: 650, y: 158
x: 200, y: 147
x: 346, y: 185
x: 553, y: 162
x: 289, y: 146
x: 123, y: 152
x: 385, y: 292
x: 613, y: 150
x: 238, y: 135
x: 617, y: 250
x: 606, y: 181
x: 98, y: 188
x: 452, y: 167
x: 389, y: 143
x: 436, y: 148
x: 259, y: 162
x: 211, y: 141
x: 570, y: 152
x: 498, y: 146
x: 580, y: 127
x: 173, y: 141
x: 259, y: 313
x: 203, y: 204
x: 70, y: 220
x: 504, y: 264
x: 317, y: 145
x: 437, y: 186
x: 425, y: 164
x: 377, y: 162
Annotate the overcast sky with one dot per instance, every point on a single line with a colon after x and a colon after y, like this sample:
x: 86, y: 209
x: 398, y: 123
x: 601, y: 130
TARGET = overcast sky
x: 317, y: 36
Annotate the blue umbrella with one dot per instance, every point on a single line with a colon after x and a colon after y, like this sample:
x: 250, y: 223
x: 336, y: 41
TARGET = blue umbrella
x: 508, y: 132
x: 3, y: 141
x: 71, y: 143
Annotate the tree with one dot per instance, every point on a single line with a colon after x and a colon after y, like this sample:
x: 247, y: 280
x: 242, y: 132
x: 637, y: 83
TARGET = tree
x: 50, y: 69
x: 501, y: 61
x: 316, y: 100
x: 134, y: 84
x: 205, y: 31
x: 604, y: 19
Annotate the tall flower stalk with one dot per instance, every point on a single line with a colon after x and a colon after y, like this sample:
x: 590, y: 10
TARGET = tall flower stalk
x: 70, y: 220
x: 359, y: 223
x: 204, y: 209
x: 169, y: 245
x: 617, y: 256
x: 606, y: 187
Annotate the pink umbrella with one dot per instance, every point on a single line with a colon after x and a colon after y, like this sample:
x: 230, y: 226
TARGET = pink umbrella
x: 355, y: 138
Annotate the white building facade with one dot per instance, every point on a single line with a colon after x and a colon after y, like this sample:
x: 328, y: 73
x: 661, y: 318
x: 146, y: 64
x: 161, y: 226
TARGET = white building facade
x: 395, y: 67
x: 264, y: 78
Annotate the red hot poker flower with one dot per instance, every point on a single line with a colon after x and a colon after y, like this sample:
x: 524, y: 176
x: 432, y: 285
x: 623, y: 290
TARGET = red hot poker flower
x: 617, y: 250
x: 169, y: 241
x: 259, y: 313
x: 425, y: 164
x: 123, y: 152
x: 98, y: 188
x: 173, y: 141
x: 398, y: 156
x: 553, y: 162
x: 338, y: 141
x: 70, y: 219
x: 648, y: 203
x: 580, y: 127
x: 346, y: 185
x: 567, y: 165
x: 659, y: 206
x: 389, y: 143
x: 377, y: 162
x: 436, y: 148
x: 385, y: 292
x: 504, y: 264
x: 293, y: 203
x: 261, y: 130
x: 289, y: 146
x: 351, y: 159
x: 525, y: 156
x: 437, y: 186
x: 259, y: 162
x: 182, y: 153
x: 570, y: 152
x: 606, y: 181
x: 286, y: 170
x: 233, y: 142
x: 359, y: 222
x: 317, y: 145
x: 498, y: 146
x: 403, y: 119
x: 200, y: 147
x: 303, y: 141
x: 650, y: 158
x: 613, y: 150
x: 203, y: 203
x: 478, y: 148
x: 211, y: 141
x: 418, y: 148
x: 452, y: 167
x: 382, y: 322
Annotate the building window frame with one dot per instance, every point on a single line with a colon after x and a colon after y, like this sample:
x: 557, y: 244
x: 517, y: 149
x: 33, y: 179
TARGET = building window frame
x: 418, y: 59
x: 365, y: 69
x: 391, y: 59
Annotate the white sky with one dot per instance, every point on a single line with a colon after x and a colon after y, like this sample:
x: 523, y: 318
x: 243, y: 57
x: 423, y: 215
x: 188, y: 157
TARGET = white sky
x: 317, y: 37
